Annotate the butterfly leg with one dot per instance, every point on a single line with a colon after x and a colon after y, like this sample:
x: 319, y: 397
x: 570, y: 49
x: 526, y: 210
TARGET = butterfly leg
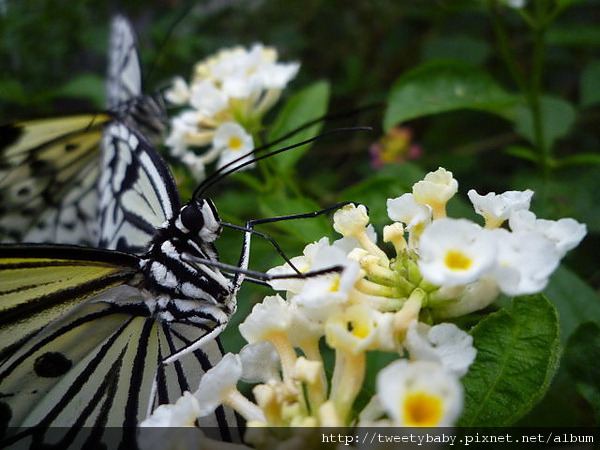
x: 249, y: 230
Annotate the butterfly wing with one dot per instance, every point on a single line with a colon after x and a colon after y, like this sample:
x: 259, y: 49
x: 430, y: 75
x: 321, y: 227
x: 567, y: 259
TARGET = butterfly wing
x: 124, y: 74
x: 144, y: 113
x: 137, y: 191
x: 89, y: 358
x: 48, y: 171
x: 49, y: 167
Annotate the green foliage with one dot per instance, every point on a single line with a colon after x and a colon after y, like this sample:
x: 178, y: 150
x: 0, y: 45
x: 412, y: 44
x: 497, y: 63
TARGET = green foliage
x: 583, y: 363
x: 305, y: 106
x: 505, y: 98
x: 442, y: 86
x: 517, y: 355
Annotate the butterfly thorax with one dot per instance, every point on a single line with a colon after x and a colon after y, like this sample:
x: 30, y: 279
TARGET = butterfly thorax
x: 178, y: 284
x: 147, y: 114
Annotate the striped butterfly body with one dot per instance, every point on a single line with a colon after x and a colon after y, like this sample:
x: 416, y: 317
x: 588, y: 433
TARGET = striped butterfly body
x: 49, y: 167
x: 86, y: 330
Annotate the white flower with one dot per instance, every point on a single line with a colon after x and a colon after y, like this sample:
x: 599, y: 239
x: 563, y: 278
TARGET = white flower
x: 455, y: 251
x: 566, y: 233
x: 207, y: 98
x: 350, y: 220
x: 419, y: 394
x: 359, y: 328
x: 323, y: 295
x: 218, y: 382
x: 195, y: 164
x: 260, y: 362
x: 435, y: 190
x: 516, y: 3
x: 233, y: 142
x: 182, y: 414
x: 496, y: 208
x: 525, y: 262
x: 406, y: 210
x: 444, y: 343
x: 277, y: 76
x: 456, y: 301
x: 272, y: 316
x: 179, y: 93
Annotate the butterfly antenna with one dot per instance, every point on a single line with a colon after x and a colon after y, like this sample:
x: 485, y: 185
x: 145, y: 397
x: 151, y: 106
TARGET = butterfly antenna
x: 228, y: 169
x: 167, y: 36
x: 327, y: 117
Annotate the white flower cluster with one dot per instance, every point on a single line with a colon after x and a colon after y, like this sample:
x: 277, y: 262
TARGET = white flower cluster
x: 442, y: 268
x: 225, y: 102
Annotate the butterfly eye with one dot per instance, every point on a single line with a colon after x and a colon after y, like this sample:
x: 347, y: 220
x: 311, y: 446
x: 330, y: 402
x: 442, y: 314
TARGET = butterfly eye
x: 192, y: 217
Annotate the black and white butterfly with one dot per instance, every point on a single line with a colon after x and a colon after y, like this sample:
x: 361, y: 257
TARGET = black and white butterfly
x: 49, y: 167
x: 85, y: 330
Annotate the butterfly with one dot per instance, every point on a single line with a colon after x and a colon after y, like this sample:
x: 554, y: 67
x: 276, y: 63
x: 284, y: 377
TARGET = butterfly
x: 49, y: 167
x: 86, y: 330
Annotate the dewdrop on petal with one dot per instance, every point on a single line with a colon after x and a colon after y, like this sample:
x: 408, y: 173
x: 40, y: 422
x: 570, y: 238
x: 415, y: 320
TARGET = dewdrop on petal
x: 496, y: 208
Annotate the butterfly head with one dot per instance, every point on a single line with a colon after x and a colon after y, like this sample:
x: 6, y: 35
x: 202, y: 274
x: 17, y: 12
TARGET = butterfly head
x: 200, y: 217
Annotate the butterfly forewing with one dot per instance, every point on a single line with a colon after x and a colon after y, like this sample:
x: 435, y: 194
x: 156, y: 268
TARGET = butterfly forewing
x: 138, y: 193
x: 124, y: 74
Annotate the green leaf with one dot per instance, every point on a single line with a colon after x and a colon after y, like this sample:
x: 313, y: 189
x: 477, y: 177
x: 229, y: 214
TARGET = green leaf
x: 517, y: 355
x: 590, y: 88
x: 566, y: 3
x: 558, y: 117
x: 304, y: 230
x: 582, y: 358
x: 88, y: 86
x: 390, y: 182
x: 574, y: 299
x: 582, y: 159
x: 579, y: 35
x: 525, y: 153
x: 441, y: 86
x: 305, y: 106
x: 461, y: 47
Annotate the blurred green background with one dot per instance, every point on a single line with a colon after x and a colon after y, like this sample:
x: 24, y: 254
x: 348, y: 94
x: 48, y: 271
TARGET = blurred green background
x: 53, y: 59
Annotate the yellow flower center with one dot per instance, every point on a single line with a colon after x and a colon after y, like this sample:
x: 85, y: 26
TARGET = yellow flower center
x: 358, y: 328
x: 422, y: 410
x: 235, y: 143
x: 456, y: 260
x: 335, y: 286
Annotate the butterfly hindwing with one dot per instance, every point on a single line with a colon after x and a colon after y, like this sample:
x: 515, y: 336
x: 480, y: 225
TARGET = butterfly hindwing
x: 48, y: 171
